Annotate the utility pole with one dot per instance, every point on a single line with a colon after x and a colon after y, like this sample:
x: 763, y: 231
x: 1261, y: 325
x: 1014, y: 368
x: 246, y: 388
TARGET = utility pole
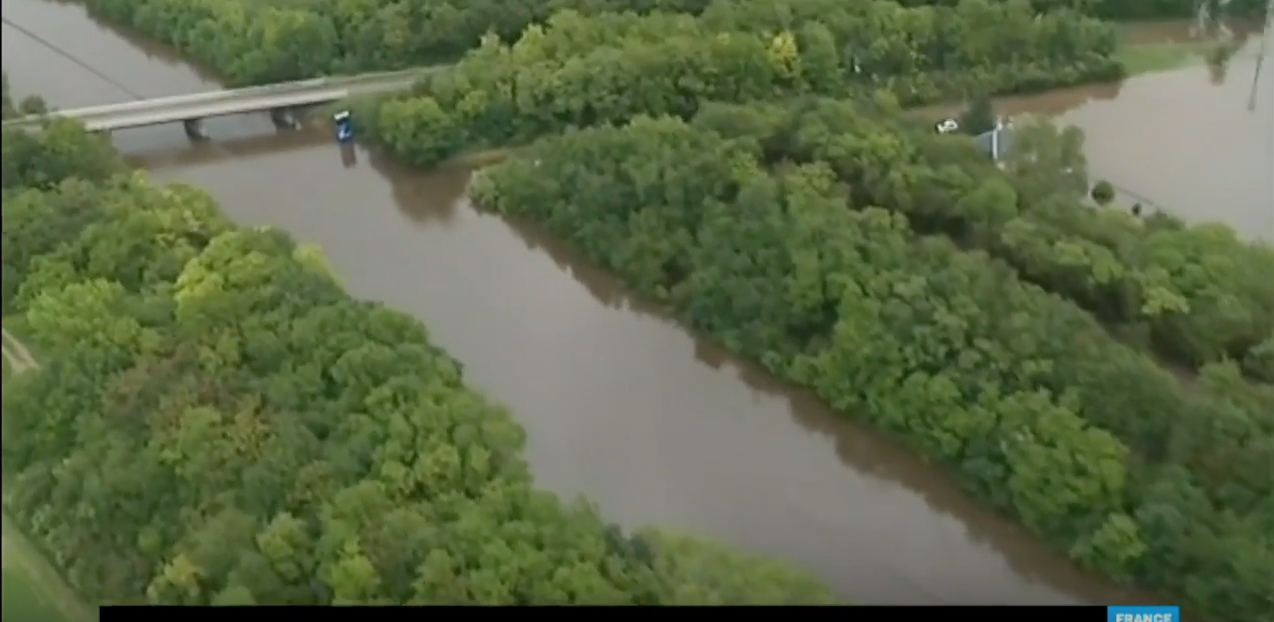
x: 1260, y: 55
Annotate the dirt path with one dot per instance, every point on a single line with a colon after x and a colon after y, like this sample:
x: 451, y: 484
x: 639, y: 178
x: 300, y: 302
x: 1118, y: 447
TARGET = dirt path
x: 19, y: 555
x: 16, y: 354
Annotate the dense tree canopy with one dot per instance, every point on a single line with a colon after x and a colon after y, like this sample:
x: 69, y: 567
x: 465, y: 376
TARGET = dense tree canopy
x: 1196, y: 294
x: 1135, y: 9
x: 790, y: 233
x: 216, y: 421
x: 578, y: 70
x: 42, y: 160
x: 30, y: 105
x: 999, y: 43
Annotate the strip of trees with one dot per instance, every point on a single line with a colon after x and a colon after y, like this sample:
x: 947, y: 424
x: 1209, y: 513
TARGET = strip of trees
x: 579, y: 70
x: 787, y: 231
x: 216, y: 421
x: 999, y: 43
x: 1137, y: 9
x: 29, y: 105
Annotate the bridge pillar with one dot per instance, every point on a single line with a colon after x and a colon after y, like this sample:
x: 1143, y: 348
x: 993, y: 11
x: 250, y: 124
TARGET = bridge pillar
x: 284, y: 118
x: 194, y: 129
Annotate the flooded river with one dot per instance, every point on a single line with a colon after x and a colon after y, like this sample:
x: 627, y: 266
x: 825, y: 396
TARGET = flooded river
x: 1196, y: 142
x: 620, y: 404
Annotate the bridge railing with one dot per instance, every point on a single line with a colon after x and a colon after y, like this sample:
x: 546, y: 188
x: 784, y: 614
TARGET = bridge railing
x: 146, y: 105
x: 282, y: 88
x: 210, y: 109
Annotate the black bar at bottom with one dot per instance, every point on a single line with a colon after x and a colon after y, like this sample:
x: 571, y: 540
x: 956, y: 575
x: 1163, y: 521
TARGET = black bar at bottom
x: 861, y: 613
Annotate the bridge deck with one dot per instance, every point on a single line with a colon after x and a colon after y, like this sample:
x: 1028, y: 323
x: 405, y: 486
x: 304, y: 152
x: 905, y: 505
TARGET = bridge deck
x: 221, y: 103
x: 205, y: 110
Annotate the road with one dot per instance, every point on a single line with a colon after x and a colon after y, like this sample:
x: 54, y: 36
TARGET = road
x: 157, y: 111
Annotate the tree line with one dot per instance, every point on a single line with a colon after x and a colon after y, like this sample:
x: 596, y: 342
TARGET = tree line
x: 778, y: 228
x: 1192, y: 294
x: 996, y: 42
x: 28, y: 105
x: 217, y: 422
x: 579, y: 70
x: 1136, y: 9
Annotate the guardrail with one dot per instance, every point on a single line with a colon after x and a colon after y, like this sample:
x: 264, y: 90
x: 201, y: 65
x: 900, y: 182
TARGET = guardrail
x: 208, y: 109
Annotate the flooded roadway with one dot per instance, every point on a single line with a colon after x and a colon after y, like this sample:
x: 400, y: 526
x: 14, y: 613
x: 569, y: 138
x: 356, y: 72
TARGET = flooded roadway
x: 619, y: 403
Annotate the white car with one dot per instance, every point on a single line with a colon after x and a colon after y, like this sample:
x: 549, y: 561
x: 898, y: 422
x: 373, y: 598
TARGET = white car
x: 946, y: 126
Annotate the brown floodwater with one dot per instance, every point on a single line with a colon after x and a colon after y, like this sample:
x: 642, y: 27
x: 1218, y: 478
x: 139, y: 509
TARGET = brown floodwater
x: 620, y: 404
x: 1196, y: 142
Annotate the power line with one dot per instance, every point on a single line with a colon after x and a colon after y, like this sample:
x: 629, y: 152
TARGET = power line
x: 71, y: 57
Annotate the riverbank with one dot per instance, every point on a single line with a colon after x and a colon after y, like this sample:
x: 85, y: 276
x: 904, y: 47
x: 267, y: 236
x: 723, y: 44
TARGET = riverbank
x: 1154, y: 47
x: 1154, y: 57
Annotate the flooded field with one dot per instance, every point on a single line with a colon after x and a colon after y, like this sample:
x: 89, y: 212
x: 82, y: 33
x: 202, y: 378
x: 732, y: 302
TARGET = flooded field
x: 1197, y: 141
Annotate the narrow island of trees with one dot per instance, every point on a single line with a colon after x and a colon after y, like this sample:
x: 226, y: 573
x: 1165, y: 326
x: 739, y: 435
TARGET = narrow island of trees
x: 216, y: 421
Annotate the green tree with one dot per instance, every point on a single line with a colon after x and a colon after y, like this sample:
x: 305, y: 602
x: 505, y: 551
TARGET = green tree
x: 979, y: 117
x: 792, y: 238
x: 1103, y: 192
x: 217, y: 422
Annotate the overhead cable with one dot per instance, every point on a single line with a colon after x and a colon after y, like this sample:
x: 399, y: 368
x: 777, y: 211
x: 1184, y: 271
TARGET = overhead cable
x: 71, y: 57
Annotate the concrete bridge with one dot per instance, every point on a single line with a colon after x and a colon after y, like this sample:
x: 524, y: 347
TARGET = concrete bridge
x: 280, y: 100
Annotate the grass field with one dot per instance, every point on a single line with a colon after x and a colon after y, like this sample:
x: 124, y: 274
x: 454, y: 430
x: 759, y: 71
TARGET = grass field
x: 1151, y: 47
x: 21, y: 603
x: 23, y: 600
x: 1140, y: 58
x: 33, y: 589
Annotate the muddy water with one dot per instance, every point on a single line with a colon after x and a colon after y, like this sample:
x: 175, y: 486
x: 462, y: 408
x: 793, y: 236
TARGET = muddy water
x: 620, y: 404
x: 144, y: 68
x: 1196, y: 142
